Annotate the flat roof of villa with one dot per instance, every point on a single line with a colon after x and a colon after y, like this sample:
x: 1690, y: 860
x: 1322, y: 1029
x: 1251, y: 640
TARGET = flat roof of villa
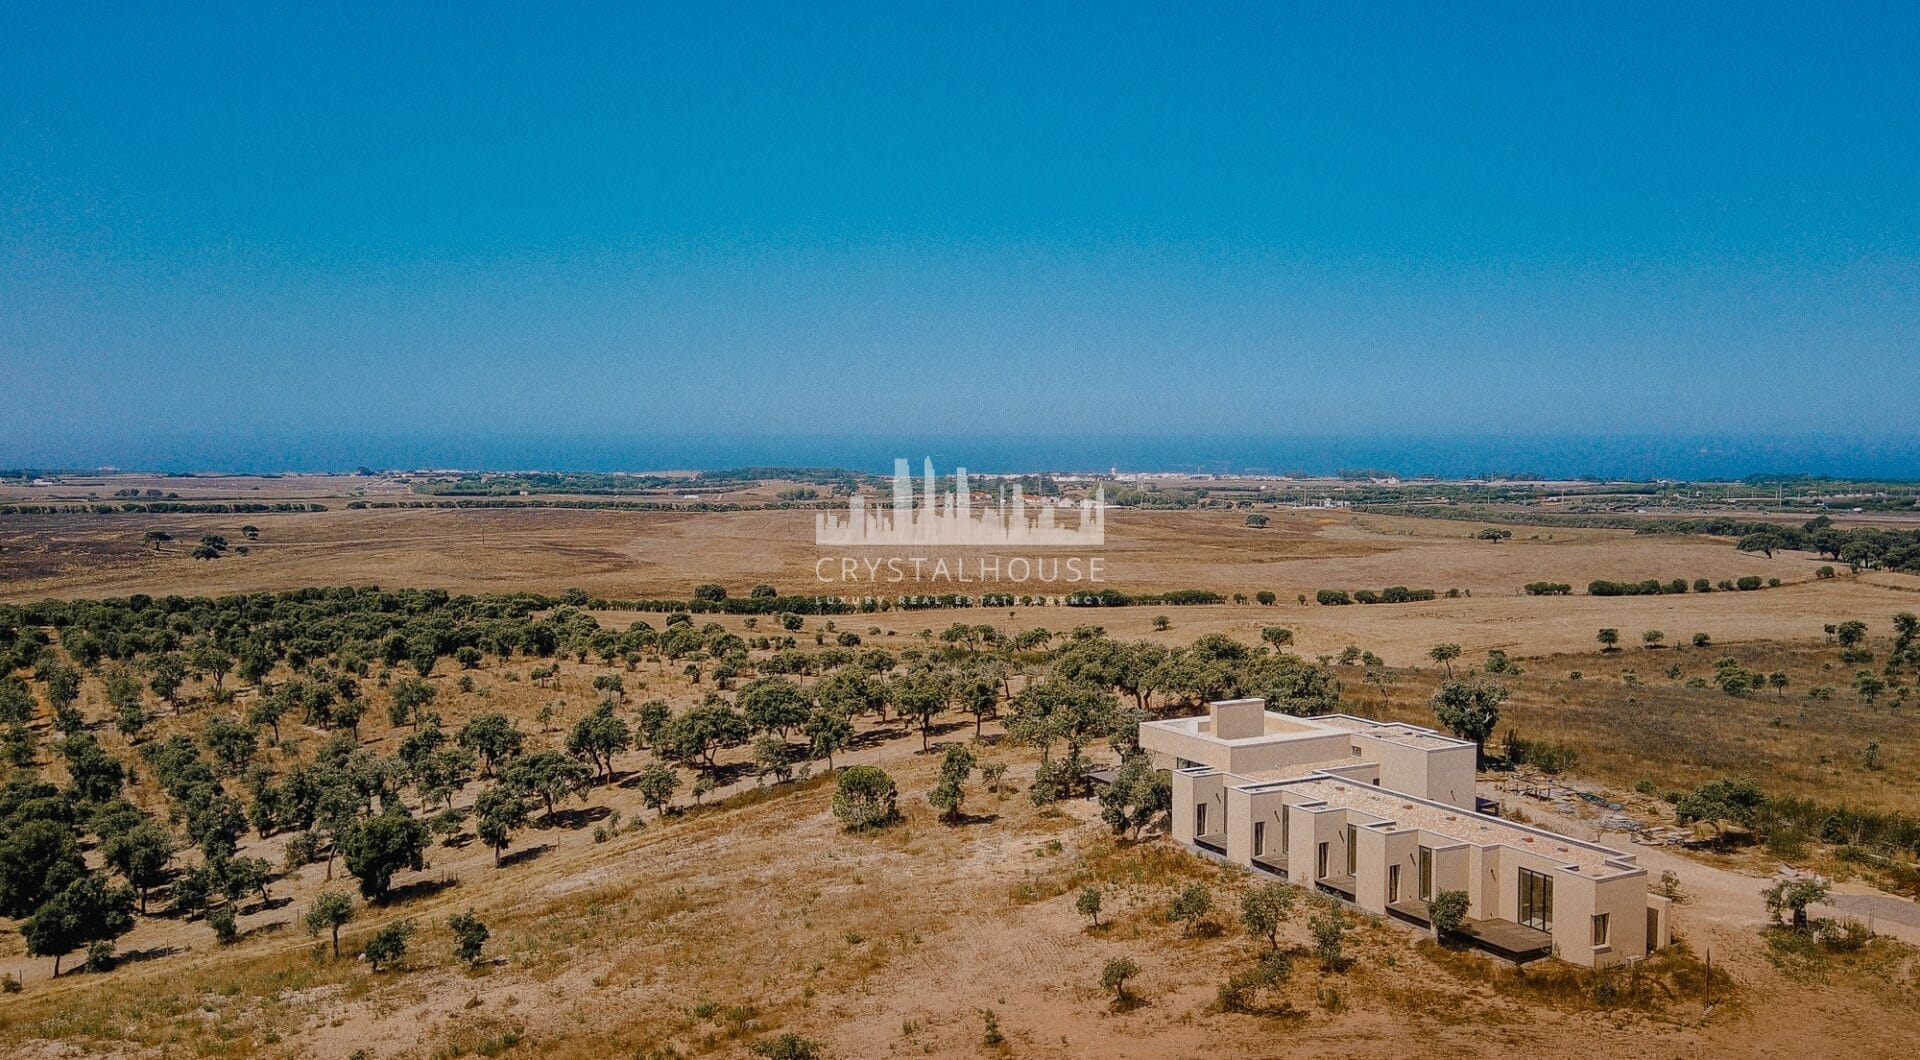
x: 1305, y: 769
x: 1281, y: 727
x: 1406, y: 811
x: 1394, y: 732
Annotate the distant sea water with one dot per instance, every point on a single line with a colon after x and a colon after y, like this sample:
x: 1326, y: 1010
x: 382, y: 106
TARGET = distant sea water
x: 1564, y: 456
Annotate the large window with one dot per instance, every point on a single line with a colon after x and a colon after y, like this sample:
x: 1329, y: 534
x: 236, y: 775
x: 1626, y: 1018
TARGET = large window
x: 1426, y: 874
x: 1393, y: 884
x: 1320, y: 862
x: 1600, y: 929
x: 1536, y: 899
x: 1200, y: 819
x: 1259, y: 838
x: 1353, y: 851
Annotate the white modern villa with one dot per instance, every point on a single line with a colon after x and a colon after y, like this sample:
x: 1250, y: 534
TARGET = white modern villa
x: 1382, y: 815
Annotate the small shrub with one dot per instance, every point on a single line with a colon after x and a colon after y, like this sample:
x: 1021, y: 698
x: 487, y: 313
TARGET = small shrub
x: 389, y: 944
x: 865, y: 798
x: 225, y: 931
x: 1329, y: 931
x: 469, y: 935
x: 991, y: 1035
x: 1191, y: 906
x: 1669, y: 887
x: 786, y: 1046
x: 1446, y: 910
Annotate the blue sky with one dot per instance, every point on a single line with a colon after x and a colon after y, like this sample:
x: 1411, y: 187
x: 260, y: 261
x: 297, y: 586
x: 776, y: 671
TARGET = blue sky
x: 228, y: 230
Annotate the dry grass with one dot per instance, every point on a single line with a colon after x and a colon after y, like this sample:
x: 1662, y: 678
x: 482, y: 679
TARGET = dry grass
x: 695, y: 935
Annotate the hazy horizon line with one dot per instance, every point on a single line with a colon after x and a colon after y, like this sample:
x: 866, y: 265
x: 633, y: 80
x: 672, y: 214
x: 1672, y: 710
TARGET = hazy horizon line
x: 1635, y: 456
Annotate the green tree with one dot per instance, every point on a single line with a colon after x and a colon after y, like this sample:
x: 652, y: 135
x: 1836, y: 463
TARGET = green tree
x: 1138, y: 794
x: 86, y: 910
x: 772, y: 758
x: 379, y: 846
x: 549, y: 776
x: 828, y: 732
x: 1735, y: 801
x: 1265, y: 909
x: 470, y: 936
x: 231, y: 744
x: 853, y: 692
x: 166, y: 672
x: 225, y: 923
x: 1277, y: 636
x: 599, y: 736
x: 697, y: 735
x: 240, y: 877
x: 1608, y: 638
x: 331, y: 911
x: 1470, y: 710
x: 207, y: 658
x: 409, y: 696
x: 1447, y: 910
x: 1114, y: 977
x: 774, y: 704
x: 63, y: 685
x: 865, y: 797
x: 1652, y: 638
x: 38, y: 859
x: 96, y: 775
x: 388, y: 945
x: 1329, y: 930
x: 1794, y: 896
x: 919, y: 695
x: 140, y: 855
x: 498, y: 812
x: 656, y: 785
x: 950, y: 792
x: 1761, y: 542
x: 1190, y: 906
x: 1444, y: 654
x: 1088, y: 904
x: 493, y: 737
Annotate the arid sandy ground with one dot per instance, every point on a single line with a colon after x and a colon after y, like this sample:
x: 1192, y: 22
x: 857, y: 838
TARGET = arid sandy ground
x: 628, y: 555
x: 698, y: 934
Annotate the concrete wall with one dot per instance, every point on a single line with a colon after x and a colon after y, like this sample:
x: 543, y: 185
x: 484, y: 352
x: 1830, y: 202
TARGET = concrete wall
x: 1190, y: 790
x: 1375, y: 851
x: 1663, y: 908
x: 1277, y: 754
x: 1239, y: 719
x: 1576, y: 898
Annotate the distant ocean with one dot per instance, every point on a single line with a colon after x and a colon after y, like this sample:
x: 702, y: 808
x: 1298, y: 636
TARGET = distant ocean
x: 1637, y: 457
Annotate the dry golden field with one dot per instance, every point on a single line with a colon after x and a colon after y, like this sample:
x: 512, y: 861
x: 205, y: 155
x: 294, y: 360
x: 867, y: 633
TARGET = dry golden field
x: 618, y: 933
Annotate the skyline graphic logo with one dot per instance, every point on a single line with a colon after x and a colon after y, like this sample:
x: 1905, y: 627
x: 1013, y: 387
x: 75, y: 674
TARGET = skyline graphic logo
x: 951, y: 519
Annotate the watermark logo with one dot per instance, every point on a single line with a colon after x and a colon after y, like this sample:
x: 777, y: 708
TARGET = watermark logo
x: 952, y: 520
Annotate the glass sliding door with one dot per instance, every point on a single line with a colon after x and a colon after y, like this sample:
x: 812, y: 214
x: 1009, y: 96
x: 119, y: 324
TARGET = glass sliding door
x: 1536, y: 900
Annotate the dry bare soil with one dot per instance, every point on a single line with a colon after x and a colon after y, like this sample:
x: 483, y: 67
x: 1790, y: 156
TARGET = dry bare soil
x: 618, y: 932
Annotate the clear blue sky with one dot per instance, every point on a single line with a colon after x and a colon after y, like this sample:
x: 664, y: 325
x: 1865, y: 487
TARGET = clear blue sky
x: 227, y: 230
